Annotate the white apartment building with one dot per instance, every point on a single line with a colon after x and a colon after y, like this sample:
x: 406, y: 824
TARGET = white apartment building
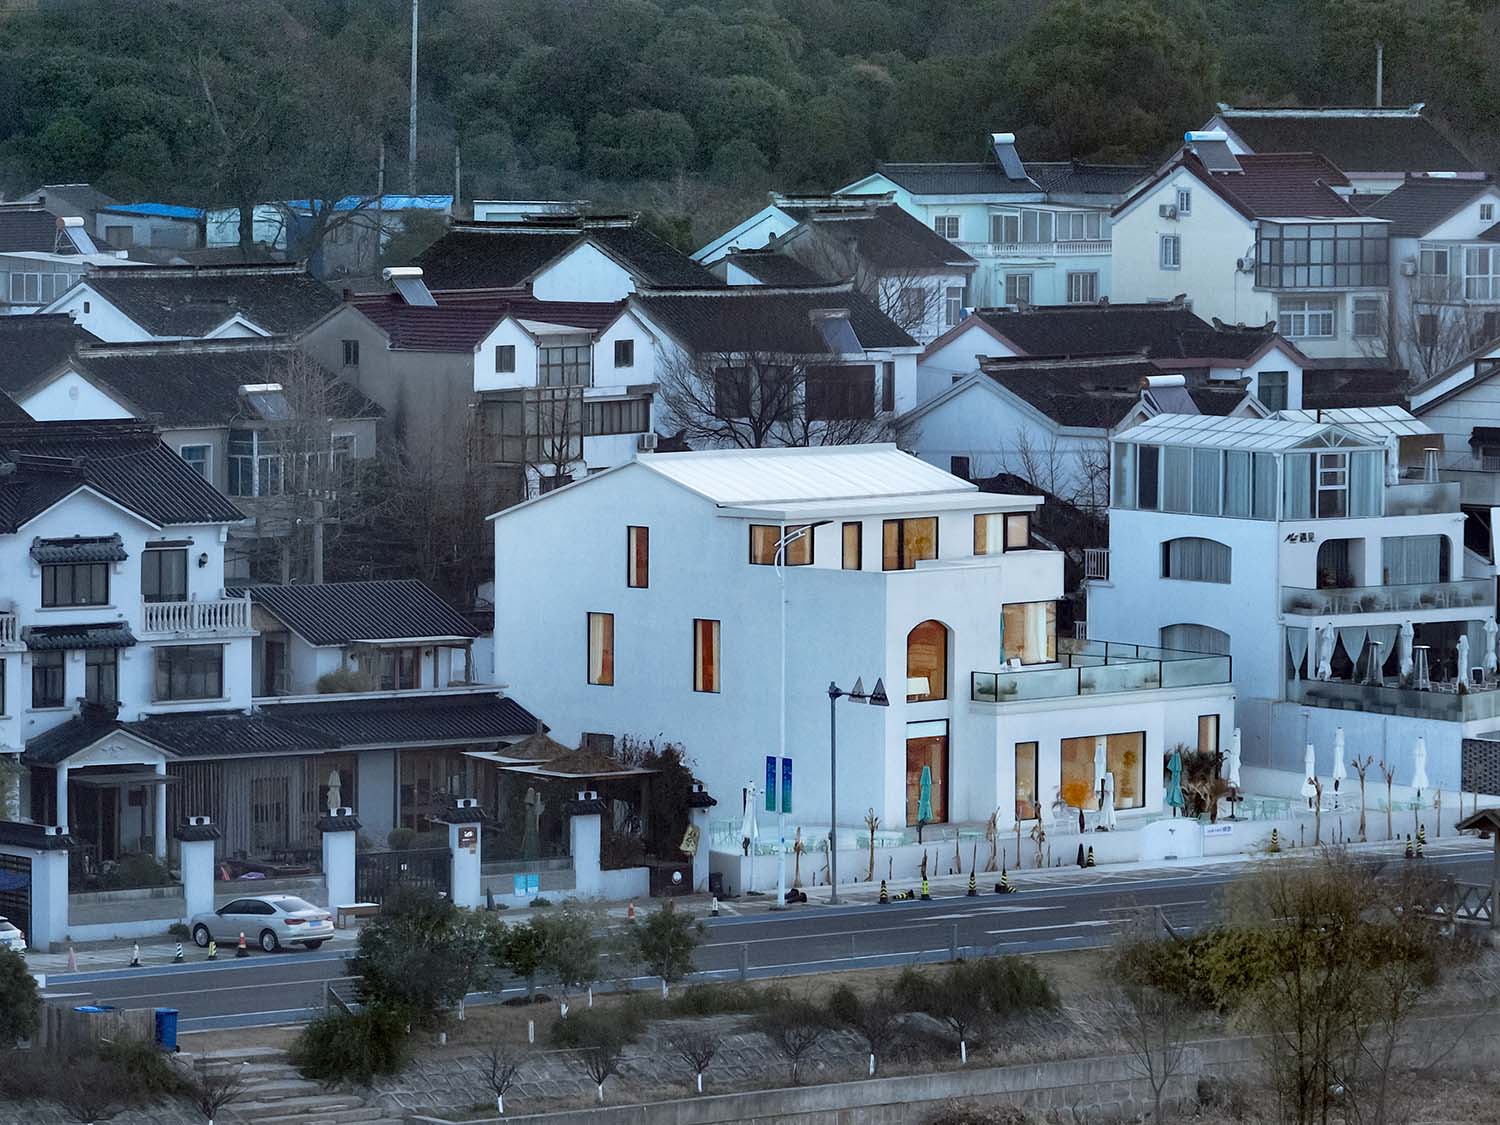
x: 648, y: 601
x: 1252, y: 239
x: 1320, y: 551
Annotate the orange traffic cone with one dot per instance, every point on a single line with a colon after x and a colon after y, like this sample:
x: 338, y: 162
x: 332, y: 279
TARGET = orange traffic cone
x: 630, y: 911
x: 243, y: 950
x: 72, y: 960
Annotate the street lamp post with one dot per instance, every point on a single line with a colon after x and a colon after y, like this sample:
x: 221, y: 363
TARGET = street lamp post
x: 876, y: 698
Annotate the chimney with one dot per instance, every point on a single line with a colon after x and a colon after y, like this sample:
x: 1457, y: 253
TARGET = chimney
x: 1004, y: 146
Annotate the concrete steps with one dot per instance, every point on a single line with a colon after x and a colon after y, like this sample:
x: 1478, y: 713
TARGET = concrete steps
x: 276, y: 1094
x: 326, y: 1109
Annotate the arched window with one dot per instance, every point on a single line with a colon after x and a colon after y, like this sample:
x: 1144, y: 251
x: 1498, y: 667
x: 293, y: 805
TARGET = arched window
x: 1341, y: 563
x: 1195, y: 638
x: 927, y: 662
x: 1195, y: 560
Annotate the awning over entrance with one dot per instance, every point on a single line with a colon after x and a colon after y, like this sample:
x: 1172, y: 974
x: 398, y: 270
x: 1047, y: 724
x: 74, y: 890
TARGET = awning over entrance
x: 107, y: 634
x: 97, y: 777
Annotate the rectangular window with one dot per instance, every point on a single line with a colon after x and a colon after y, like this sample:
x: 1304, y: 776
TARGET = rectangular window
x: 1322, y: 255
x: 1191, y: 559
x: 1027, y: 805
x: 1208, y: 734
x: 1366, y: 317
x: 398, y: 669
x: 705, y: 655
x: 946, y: 225
x: 887, y: 387
x: 1177, y: 484
x: 1481, y: 274
x: 1083, y: 288
x: 959, y: 466
x: 996, y: 532
x: 1017, y: 531
x: 638, y: 557
x: 616, y: 416
x: 351, y: 353
x: 1170, y: 249
x: 48, y: 676
x: 953, y: 305
x: 1148, y: 484
x: 927, y: 772
x: 1018, y: 289
x: 1271, y: 388
x: 907, y: 542
x: 602, y: 649
x: 624, y: 353
x: 197, y: 458
x: 505, y: 359
x: 186, y: 672
x: 836, y: 393
x: 1306, y: 318
x: 797, y: 551
x: 1124, y: 756
x: 1005, y: 228
x: 101, y: 676
x: 254, y: 464
x: 69, y: 584
x: 1028, y: 632
x: 570, y: 365
x: 1184, y: 201
x: 1332, y: 485
x: 1486, y: 212
x: 164, y: 575
x: 854, y: 554
x: 1433, y: 283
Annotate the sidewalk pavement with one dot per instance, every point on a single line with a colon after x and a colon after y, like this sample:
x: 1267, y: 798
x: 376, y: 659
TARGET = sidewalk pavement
x: 96, y: 956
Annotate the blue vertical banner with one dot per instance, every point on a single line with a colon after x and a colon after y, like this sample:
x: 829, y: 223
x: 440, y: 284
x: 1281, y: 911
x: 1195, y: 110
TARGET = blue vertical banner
x: 786, y: 785
x: 770, y: 783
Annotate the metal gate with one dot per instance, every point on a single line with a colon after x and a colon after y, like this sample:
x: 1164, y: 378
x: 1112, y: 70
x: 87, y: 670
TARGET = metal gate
x: 377, y: 874
x: 15, y: 891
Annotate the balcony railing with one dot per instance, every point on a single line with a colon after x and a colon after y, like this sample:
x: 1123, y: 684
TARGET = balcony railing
x: 1422, y: 498
x: 1096, y: 563
x: 1101, y: 668
x: 1442, y: 705
x: 1066, y: 248
x: 9, y: 629
x: 1411, y: 597
x: 221, y: 615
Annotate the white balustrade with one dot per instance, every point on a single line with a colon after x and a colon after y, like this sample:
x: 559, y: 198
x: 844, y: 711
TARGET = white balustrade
x: 219, y: 615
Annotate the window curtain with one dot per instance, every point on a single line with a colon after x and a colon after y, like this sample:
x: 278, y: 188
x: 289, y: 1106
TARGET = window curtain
x: 1124, y: 455
x: 1296, y: 643
x: 1176, y: 478
x: 1265, y: 486
x: 1237, y: 484
x: 1365, y: 479
x: 1352, y: 637
x: 1381, y: 640
x: 1198, y: 560
x: 1408, y: 559
x: 1297, y: 502
x: 1206, y: 482
x: 1195, y: 638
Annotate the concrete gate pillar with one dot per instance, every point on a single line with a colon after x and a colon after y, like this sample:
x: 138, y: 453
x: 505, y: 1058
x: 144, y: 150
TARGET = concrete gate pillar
x: 463, y: 848
x: 196, y: 842
x: 340, y: 830
x: 699, y: 802
x: 584, y: 835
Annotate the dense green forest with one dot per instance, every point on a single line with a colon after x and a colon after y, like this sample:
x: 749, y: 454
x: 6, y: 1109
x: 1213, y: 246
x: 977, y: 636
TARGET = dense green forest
x: 689, y: 110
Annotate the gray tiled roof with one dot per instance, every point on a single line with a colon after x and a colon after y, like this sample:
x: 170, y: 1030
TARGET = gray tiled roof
x: 79, y: 549
x: 341, y: 613
x: 757, y: 318
x: 31, y: 346
x: 32, y: 229
x: 51, y: 638
x: 1356, y: 143
x: 1418, y: 205
x: 188, y: 301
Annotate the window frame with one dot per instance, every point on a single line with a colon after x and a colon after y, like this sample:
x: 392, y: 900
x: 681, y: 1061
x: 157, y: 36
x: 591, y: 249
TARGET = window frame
x: 1075, y: 278
x: 637, y: 557
x: 1169, y: 251
x: 953, y: 305
x: 165, y: 654
x: 1224, y: 555
x: 938, y: 666
x: 1262, y: 387
x: 1035, y: 804
x: 98, y: 577
x: 49, y: 670
x: 101, y: 667
x: 203, y: 468
x: 1184, y: 201
x: 1015, y: 282
x: 899, y: 525
x: 792, y: 554
x: 152, y: 559
x: 852, y: 543
x: 1010, y: 651
x: 351, y: 352
x: 625, y: 352
x: 1296, y: 323
x: 1371, y: 327
x: 707, y: 665
x: 505, y: 359
x: 941, y: 226
x: 599, y: 666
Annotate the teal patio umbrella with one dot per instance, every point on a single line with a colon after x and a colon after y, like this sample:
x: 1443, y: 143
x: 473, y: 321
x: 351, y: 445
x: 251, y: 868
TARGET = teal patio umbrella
x: 924, y: 796
x: 1174, y: 782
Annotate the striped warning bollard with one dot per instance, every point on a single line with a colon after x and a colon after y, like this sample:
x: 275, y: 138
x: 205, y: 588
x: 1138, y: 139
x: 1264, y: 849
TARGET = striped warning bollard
x: 1409, y: 853
x: 1004, y: 886
x: 973, y: 885
x: 1421, y: 842
x: 925, y: 896
x: 243, y: 950
x: 213, y: 950
x: 1081, y: 860
x: 885, y: 895
x: 1275, y: 841
x: 177, y: 957
x: 1090, y: 861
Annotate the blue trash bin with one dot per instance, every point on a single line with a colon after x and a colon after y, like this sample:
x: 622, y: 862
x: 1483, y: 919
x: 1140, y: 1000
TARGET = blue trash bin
x: 94, y: 1009
x: 166, y: 1028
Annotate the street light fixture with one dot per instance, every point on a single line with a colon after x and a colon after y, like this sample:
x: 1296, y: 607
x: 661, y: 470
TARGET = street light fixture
x: 876, y: 698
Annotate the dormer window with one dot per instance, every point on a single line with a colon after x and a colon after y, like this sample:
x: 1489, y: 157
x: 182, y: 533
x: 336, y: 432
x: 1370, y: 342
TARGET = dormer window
x: 1486, y: 212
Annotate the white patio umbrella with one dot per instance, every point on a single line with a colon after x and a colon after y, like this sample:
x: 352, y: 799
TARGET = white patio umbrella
x: 1339, y: 772
x: 1404, y: 641
x: 1326, y: 640
x: 1234, y: 759
x: 1107, y: 811
x: 1309, y: 771
x: 1488, y: 660
x: 1101, y: 765
x: 1419, y: 767
x: 1463, y: 658
x: 335, y: 792
x: 750, y: 831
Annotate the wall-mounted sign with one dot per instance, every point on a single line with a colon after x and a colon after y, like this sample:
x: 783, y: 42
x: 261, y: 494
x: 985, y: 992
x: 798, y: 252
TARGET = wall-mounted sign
x: 468, y: 837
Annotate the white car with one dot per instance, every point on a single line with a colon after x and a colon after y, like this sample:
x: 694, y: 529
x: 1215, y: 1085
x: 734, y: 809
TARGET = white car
x: 269, y: 921
x: 11, y: 938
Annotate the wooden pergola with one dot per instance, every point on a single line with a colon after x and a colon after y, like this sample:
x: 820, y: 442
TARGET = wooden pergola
x: 1488, y: 821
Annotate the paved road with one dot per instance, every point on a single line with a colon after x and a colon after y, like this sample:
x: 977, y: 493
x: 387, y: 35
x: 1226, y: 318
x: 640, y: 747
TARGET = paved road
x: 1066, y: 910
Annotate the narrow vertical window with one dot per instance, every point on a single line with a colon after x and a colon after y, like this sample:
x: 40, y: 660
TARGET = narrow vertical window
x: 853, y: 546
x: 638, y: 557
x: 602, y: 649
x: 1208, y: 734
x: 705, y: 655
x: 1027, y: 806
x: 1017, y: 531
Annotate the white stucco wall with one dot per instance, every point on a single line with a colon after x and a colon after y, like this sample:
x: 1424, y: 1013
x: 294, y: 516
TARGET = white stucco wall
x: 99, y: 317
x: 584, y: 273
x: 959, y: 355
x: 70, y: 397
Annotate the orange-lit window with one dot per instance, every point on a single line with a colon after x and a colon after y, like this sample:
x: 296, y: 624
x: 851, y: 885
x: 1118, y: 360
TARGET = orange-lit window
x: 927, y: 662
x: 854, y: 553
x: 907, y: 542
x: 705, y: 654
x: 765, y: 536
x: 638, y: 557
x: 602, y: 649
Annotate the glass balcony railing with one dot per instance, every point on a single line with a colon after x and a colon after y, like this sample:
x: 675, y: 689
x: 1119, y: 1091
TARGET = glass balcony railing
x: 1101, y: 668
x: 1475, y: 593
x: 1450, y: 706
x: 1422, y: 498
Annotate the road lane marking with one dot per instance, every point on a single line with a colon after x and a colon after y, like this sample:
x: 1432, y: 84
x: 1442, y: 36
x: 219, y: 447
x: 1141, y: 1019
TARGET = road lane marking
x: 1057, y: 926
x: 1156, y: 905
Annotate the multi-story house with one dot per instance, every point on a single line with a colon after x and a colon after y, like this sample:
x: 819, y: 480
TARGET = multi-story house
x: 1445, y: 277
x: 1320, y: 550
x: 717, y: 594
x: 43, y: 254
x: 917, y: 278
x: 1039, y: 230
x: 1256, y: 238
x: 1376, y: 147
x: 131, y: 304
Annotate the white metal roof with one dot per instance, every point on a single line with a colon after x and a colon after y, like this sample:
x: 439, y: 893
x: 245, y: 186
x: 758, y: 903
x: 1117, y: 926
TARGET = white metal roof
x: 1374, y: 422
x: 924, y: 503
x: 752, y: 478
x: 1213, y: 431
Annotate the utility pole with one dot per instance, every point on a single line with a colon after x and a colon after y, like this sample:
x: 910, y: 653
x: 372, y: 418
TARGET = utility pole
x: 411, y: 127
x: 380, y: 204
x: 457, y: 181
x: 1379, y: 74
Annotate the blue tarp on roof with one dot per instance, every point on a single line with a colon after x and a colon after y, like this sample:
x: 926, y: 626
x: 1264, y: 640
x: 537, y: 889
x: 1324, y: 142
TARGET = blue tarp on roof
x: 159, y: 210
x: 387, y: 203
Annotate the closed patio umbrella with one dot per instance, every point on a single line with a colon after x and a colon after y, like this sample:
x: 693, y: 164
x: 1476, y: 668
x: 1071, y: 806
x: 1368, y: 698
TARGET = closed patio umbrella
x: 1487, y: 661
x: 1463, y: 658
x: 750, y: 828
x: 1339, y: 772
x: 1100, y: 766
x: 1309, y: 772
x: 924, y: 796
x: 1419, y: 767
x: 1327, y: 638
x: 1174, y: 798
x: 1107, y: 808
x: 1234, y: 759
x: 1404, y: 642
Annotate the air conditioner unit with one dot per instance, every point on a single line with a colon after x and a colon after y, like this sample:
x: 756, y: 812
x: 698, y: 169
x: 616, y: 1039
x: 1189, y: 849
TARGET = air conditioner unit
x: 1245, y: 265
x: 646, y: 443
x: 1409, y: 267
x: 1167, y: 211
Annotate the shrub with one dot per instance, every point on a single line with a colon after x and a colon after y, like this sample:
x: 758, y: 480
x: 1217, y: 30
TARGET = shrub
x: 719, y: 999
x: 352, y: 1048
x: 843, y: 1005
x: 420, y: 955
x: 664, y: 942
x: 20, y: 1004
x: 143, y: 1075
x: 26, y: 1075
x: 136, y: 871
x: 1011, y: 984
x: 179, y: 931
x: 541, y: 901
x: 614, y: 1025
x: 401, y: 839
x: 1212, y: 971
x: 344, y: 679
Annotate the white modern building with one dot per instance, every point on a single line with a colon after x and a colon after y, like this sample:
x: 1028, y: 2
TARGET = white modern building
x: 648, y: 601
x: 1252, y: 239
x: 1319, y: 549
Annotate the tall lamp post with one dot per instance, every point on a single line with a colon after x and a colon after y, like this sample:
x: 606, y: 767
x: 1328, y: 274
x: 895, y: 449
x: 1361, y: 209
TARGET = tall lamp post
x: 876, y: 698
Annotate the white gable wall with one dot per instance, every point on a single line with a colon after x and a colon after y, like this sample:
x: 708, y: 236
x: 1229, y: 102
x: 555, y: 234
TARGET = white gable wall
x: 71, y: 398
x: 959, y: 356
x: 584, y: 273
x: 97, y: 315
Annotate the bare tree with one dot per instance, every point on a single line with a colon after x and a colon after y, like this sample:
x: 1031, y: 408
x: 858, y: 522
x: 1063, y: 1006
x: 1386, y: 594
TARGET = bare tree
x: 537, y: 432
x: 697, y: 1047
x: 1429, y: 326
x: 601, y: 1062
x: 502, y: 1070
x: 1155, y: 1026
x: 758, y: 399
x: 794, y: 1028
x: 1043, y: 462
x: 210, y: 1088
x: 1092, y: 477
x: 879, y: 1021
